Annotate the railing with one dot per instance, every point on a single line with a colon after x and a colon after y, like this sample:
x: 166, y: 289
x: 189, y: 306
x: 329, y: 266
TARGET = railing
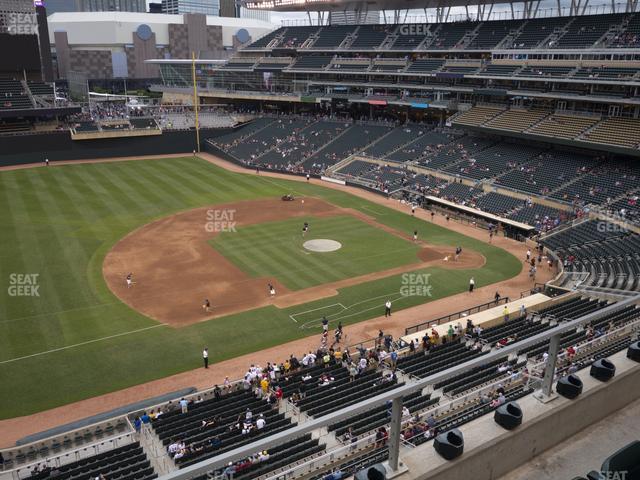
x: 71, y: 456
x: 456, y: 316
x: 210, y: 392
x: 537, y: 288
x: 314, y: 424
x: 586, y: 349
x: 324, y: 460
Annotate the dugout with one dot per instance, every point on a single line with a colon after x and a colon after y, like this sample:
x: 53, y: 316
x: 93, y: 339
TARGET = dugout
x: 510, y: 228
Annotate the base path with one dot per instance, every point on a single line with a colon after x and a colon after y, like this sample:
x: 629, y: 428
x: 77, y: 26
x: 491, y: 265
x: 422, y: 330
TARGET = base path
x: 16, y: 428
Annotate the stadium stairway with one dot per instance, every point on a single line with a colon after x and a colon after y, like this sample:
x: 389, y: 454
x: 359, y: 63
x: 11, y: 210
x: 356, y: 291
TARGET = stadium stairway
x: 156, y: 453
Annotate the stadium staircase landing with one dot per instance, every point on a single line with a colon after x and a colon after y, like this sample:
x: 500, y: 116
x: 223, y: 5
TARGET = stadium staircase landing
x: 156, y: 453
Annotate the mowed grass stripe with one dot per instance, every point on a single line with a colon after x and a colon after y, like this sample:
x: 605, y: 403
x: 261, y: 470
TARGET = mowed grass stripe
x: 139, y: 201
x: 110, y: 193
x: 275, y: 249
x: 36, y: 246
x: 242, y: 250
x: 151, y: 179
x: 59, y: 204
x: 292, y: 265
x: 264, y: 246
x: 287, y: 264
x: 224, y: 186
x: 191, y: 182
x: 181, y: 192
x: 147, y: 195
x: 279, y: 263
x: 84, y: 190
x: 73, y: 251
x: 13, y: 252
x: 221, y: 187
x: 240, y: 255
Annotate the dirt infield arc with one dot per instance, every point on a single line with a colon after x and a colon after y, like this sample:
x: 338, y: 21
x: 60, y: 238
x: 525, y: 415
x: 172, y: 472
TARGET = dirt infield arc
x: 175, y: 269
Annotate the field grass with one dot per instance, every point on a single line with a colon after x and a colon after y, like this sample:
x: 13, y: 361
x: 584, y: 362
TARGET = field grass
x: 76, y: 340
x: 275, y: 249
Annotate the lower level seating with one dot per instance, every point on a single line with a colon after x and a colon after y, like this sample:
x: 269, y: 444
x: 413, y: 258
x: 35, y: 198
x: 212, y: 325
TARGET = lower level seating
x: 124, y: 463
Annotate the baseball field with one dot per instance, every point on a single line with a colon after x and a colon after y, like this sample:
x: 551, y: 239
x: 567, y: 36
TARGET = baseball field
x: 189, y: 230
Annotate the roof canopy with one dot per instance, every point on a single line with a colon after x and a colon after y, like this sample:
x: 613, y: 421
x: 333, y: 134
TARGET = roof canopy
x: 339, y: 5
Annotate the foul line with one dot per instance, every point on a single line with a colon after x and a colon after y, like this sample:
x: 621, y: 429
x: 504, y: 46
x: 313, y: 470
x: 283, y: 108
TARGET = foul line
x: 81, y: 344
x: 373, y: 210
x: 293, y: 315
x: 59, y: 312
x: 339, y: 315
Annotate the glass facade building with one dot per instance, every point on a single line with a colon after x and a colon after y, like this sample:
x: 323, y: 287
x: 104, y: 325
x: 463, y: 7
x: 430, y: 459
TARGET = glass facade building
x: 208, y: 7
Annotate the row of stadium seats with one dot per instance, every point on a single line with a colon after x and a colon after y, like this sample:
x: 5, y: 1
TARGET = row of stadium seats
x: 558, y: 32
x: 622, y: 132
x: 16, y: 95
x: 429, y: 66
x: 310, y: 145
x: 599, y: 254
x: 124, y: 463
x: 134, y: 123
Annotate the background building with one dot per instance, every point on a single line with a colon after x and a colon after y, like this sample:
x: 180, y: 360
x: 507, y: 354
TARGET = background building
x: 180, y: 7
x: 24, y: 40
x: 54, y: 6
x: 106, y: 45
x: 229, y: 8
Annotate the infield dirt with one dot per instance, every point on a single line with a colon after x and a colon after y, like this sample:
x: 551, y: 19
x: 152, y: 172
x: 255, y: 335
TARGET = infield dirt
x: 175, y: 268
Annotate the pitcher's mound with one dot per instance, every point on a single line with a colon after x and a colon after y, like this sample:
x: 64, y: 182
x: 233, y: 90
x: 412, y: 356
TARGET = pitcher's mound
x: 322, y: 245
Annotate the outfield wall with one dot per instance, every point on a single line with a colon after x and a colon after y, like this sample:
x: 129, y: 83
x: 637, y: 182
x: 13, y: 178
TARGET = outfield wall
x: 23, y: 149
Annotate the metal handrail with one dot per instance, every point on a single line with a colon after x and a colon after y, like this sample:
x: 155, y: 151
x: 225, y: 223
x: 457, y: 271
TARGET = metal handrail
x: 24, y: 471
x: 457, y: 315
x: 218, y: 461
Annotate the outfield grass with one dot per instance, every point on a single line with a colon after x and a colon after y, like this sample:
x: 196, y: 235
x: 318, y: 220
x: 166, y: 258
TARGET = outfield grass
x: 275, y: 249
x: 76, y: 340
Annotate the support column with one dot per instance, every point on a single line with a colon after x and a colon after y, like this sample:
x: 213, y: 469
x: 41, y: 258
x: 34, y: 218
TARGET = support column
x: 546, y: 394
x: 394, y: 435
